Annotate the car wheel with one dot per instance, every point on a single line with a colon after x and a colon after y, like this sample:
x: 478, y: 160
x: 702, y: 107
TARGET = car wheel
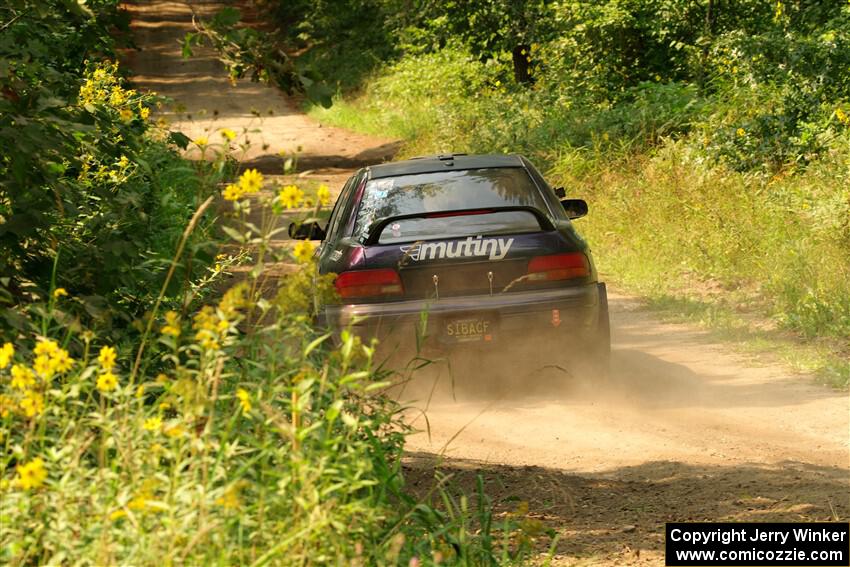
x: 600, y: 351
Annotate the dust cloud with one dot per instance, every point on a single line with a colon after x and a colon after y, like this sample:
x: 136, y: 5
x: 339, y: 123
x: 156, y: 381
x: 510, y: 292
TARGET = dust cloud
x: 672, y: 395
x: 534, y: 369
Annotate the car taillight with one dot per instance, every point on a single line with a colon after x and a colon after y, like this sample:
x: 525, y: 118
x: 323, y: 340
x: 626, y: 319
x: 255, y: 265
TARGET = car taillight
x: 558, y: 267
x: 368, y: 283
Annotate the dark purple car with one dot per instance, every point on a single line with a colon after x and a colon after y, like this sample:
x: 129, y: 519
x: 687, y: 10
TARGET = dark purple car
x: 464, y: 252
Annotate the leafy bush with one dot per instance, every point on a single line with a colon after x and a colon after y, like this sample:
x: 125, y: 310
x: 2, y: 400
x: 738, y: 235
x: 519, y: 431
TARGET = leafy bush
x: 90, y: 189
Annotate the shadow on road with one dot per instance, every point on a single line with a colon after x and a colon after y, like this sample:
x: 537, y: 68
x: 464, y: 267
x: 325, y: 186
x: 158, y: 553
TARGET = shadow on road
x: 622, y: 512
x: 273, y: 164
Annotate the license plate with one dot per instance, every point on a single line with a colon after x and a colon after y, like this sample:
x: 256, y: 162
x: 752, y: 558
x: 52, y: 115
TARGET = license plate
x: 474, y: 328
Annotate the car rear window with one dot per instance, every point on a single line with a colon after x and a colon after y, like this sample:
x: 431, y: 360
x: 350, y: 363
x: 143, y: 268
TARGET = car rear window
x: 447, y: 191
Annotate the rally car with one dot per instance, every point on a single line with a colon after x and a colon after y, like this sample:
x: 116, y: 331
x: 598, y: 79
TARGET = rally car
x: 459, y: 252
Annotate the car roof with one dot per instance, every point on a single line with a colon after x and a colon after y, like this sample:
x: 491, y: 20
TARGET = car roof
x: 446, y: 162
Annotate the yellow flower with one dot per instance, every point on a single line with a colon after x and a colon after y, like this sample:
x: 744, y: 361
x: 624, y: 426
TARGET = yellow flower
x: 323, y: 193
x: 232, y: 192
x: 290, y: 196
x: 161, y: 378
x: 222, y: 326
x: 251, y: 181
x: 45, y: 347
x: 7, y: 351
x: 741, y: 132
x: 228, y: 134
x: 119, y: 96
x: 107, y: 358
x: 126, y: 115
x: 32, y: 475
x: 144, y: 112
x: 174, y: 430
x: 107, y: 382
x: 303, y: 251
x: 152, y: 424
x: 205, y: 319
x: 201, y: 142
x: 32, y: 404
x: 22, y: 377
x: 7, y: 404
x: 137, y: 504
x: 244, y: 399
x: 60, y: 292
x: 44, y: 366
x: 206, y: 339
x: 62, y: 361
x: 841, y: 115
x: 230, y: 498
x: 172, y: 324
x: 233, y: 300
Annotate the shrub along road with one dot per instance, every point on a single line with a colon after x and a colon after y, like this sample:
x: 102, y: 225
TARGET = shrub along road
x: 685, y: 430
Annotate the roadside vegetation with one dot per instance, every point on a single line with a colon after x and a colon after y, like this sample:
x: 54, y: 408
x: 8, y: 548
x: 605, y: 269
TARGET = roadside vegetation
x: 711, y: 139
x: 155, y: 409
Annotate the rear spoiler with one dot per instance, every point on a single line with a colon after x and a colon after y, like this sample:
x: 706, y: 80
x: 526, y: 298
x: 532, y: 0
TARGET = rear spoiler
x: 378, y: 226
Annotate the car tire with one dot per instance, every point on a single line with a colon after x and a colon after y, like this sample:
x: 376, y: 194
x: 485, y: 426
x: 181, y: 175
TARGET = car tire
x: 599, y: 361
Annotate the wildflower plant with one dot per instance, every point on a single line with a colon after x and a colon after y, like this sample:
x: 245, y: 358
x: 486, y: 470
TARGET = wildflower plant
x: 241, y: 422
x: 101, y: 189
x: 232, y: 429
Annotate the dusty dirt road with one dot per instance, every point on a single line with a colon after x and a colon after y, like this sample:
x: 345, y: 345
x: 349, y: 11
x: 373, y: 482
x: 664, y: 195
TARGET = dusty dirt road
x: 685, y: 430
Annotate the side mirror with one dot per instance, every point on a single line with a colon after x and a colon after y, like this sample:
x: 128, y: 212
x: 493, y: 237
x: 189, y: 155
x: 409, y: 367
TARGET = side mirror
x: 576, y: 208
x: 560, y: 192
x: 306, y: 231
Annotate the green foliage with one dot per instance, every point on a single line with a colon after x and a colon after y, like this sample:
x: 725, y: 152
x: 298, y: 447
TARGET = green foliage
x: 447, y: 101
x: 783, y: 90
x: 626, y: 72
x: 212, y: 460
x: 85, y: 178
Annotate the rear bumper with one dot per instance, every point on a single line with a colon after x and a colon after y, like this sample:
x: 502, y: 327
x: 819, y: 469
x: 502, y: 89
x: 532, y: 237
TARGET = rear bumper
x: 570, y: 312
